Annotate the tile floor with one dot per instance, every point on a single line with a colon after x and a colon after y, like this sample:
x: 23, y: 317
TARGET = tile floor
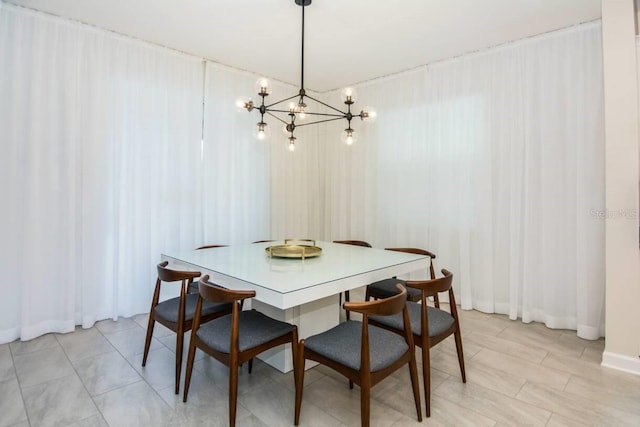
x: 517, y: 374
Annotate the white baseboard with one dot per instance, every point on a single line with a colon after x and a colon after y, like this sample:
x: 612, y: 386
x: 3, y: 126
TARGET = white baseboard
x: 621, y: 362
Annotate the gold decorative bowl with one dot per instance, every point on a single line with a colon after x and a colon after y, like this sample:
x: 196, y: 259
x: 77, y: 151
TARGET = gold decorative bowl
x: 289, y: 250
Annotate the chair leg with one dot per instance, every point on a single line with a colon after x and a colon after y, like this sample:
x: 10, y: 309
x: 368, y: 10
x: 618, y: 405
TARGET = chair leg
x: 426, y: 379
x: 413, y: 372
x: 147, y: 342
x: 365, y: 405
x: 436, y: 301
x: 298, y: 367
x: 250, y: 365
x: 233, y: 391
x: 346, y: 299
x: 458, y: 339
x: 179, y: 346
x: 187, y: 379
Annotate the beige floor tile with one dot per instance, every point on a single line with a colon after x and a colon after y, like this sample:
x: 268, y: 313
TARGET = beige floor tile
x: 592, y: 354
x: 469, y: 348
x: 93, y: 421
x: 7, y: 370
x: 41, y: 343
x: 541, y: 338
x: 573, y: 365
x: 611, y: 390
x: 105, y: 372
x: 135, y: 405
x: 110, y: 326
x: 343, y: 403
x: 130, y: 341
x: 557, y: 420
x: 84, y: 343
x: 515, y: 349
x: 274, y: 405
x: 160, y: 369
x: 41, y: 366
x: 492, y: 404
x: 577, y: 408
x: 58, y: 402
x: 11, y: 405
x: 520, y: 368
x: 489, y: 326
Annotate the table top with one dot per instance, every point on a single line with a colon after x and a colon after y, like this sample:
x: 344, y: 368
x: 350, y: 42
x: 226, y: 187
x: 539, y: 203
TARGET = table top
x: 286, y: 282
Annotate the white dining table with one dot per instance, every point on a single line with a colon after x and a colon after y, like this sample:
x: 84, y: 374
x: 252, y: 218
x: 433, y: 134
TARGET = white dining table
x: 304, y: 292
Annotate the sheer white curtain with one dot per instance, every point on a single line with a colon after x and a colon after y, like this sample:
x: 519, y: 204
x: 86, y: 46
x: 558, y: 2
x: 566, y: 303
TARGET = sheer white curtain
x: 236, y: 186
x: 101, y: 141
x: 495, y: 162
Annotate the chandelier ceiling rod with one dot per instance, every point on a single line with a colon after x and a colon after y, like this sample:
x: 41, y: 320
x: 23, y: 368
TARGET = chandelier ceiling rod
x: 302, y: 44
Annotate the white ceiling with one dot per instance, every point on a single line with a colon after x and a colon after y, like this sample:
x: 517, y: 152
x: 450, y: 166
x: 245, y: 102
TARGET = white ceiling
x: 346, y: 41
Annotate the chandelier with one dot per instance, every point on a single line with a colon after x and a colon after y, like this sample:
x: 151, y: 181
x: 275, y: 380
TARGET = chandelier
x: 296, y: 114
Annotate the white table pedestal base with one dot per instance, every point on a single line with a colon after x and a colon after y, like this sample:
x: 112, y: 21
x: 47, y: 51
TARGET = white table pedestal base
x: 311, y: 318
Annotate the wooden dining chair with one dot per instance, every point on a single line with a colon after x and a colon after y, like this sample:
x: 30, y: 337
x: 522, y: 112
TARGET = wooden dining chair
x: 235, y: 338
x: 362, y: 243
x: 385, y: 288
x: 177, y: 313
x: 363, y: 353
x: 430, y: 325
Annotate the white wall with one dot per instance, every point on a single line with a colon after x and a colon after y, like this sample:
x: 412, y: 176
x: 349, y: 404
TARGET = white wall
x: 622, y: 175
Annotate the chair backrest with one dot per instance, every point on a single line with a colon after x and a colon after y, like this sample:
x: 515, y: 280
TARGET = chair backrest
x: 354, y: 243
x: 215, y: 293
x: 440, y: 284
x: 169, y: 275
x: 263, y: 241
x: 380, y: 307
x: 419, y: 251
x: 211, y: 247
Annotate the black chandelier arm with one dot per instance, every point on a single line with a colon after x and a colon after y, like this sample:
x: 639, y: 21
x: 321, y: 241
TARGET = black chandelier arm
x: 341, y: 115
x: 326, y: 105
x: 319, y: 121
x: 277, y: 118
x: 272, y: 110
x: 282, y: 100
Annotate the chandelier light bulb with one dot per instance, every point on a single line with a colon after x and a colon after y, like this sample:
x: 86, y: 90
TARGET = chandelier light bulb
x: 262, y: 131
x: 349, y: 95
x: 292, y: 143
x: 244, y: 105
x: 292, y: 107
x: 262, y: 86
x: 300, y: 110
x: 368, y: 114
x: 349, y: 136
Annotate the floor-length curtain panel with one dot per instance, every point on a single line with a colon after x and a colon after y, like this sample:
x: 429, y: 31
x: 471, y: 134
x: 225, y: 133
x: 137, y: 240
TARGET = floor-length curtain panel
x: 101, y: 136
x: 141, y: 139
x: 39, y: 174
x: 495, y: 162
x: 235, y: 187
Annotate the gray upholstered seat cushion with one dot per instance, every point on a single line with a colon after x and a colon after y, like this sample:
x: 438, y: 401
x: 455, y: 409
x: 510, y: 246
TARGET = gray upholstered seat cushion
x: 342, y: 344
x: 168, y: 309
x: 255, y: 329
x: 439, y: 320
x: 387, y: 288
